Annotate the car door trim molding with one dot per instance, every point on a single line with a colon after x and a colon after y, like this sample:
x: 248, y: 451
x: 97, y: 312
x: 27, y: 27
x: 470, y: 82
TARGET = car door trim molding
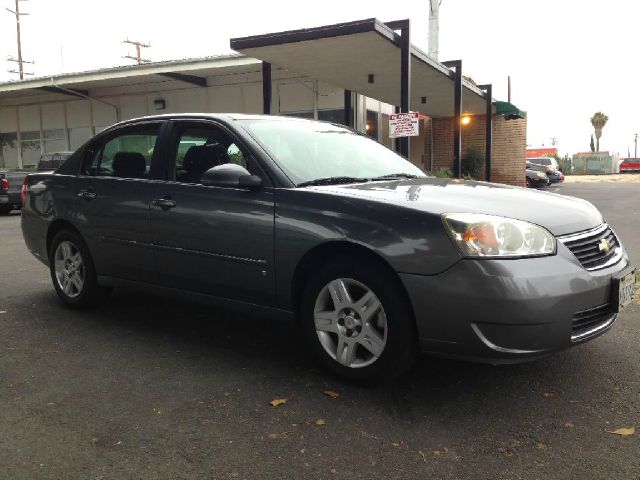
x: 202, y: 253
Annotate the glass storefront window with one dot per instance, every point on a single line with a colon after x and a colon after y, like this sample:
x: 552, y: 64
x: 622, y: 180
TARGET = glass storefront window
x: 54, y: 140
x: 8, y: 150
x: 78, y: 135
x: 372, y: 124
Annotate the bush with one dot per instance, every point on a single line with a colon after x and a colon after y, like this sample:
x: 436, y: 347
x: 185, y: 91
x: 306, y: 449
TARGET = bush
x: 442, y: 173
x: 473, y: 164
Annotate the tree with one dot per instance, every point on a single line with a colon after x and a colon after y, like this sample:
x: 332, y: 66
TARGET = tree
x: 599, y: 120
x: 593, y: 147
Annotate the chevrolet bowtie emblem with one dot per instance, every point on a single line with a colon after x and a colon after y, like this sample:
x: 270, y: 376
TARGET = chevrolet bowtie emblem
x: 603, y: 246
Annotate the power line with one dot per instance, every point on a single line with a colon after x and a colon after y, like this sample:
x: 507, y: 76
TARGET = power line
x: 20, y: 61
x: 138, y: 57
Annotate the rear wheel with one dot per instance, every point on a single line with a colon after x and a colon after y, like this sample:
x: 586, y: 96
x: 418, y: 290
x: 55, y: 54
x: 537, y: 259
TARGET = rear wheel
x: 72, y: 271
x: 358, y: 321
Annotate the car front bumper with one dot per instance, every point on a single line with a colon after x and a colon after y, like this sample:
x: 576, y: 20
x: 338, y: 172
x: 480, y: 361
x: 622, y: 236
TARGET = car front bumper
x: 506, y: 311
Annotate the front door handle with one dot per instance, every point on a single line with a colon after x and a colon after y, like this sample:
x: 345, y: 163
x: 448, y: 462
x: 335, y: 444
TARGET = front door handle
x: 165, y: 203
x: 87, y: 194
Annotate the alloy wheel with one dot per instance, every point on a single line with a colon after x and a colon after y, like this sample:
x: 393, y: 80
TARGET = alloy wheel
x: 350, y: 322
x: 69, y: 269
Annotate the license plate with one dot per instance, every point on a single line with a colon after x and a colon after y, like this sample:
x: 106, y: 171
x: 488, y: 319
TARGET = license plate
x: 626, y: 290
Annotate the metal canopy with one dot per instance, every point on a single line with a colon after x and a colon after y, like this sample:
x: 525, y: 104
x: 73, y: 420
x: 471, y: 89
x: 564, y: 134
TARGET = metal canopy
x: 347, y: 54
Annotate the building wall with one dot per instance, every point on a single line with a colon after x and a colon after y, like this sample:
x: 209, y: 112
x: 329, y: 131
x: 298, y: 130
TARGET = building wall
x: 30, y: 126
x: 508, y: 153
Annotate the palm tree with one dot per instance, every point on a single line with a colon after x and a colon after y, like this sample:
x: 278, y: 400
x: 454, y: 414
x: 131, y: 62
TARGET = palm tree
x: 599, y: 120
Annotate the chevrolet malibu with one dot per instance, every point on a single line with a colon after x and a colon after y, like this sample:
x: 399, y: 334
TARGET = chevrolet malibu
x: 318, y: 224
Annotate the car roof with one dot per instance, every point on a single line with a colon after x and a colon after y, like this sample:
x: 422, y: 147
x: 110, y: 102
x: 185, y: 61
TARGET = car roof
x: 211, y: 116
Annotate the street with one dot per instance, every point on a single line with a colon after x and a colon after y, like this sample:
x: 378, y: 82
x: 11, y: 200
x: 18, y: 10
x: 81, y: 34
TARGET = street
x: 147, y: 387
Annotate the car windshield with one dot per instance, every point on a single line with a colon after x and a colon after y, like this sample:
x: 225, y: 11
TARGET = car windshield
x: 309, y: 151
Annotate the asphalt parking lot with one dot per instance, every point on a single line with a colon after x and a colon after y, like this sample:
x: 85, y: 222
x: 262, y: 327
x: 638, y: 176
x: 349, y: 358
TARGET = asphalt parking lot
x: 151, y: 388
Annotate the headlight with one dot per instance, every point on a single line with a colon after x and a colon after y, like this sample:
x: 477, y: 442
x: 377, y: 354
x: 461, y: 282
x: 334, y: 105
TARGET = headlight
x: 540, y: 175
x: 479, y: 235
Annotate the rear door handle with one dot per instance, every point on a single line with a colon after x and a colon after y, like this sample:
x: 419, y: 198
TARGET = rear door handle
x: 87, y: 194
x: 165, y: 203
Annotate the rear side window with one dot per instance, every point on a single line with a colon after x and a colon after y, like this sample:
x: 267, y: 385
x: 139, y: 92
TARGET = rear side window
x: 126, y: 154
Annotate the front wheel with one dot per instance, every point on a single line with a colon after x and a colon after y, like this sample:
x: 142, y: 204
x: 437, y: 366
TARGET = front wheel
x: 72, y: 271
x: 358, y: 321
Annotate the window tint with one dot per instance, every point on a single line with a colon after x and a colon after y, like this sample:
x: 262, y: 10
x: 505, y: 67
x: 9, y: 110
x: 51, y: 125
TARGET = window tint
x: 200, y: 148
x: 126, y: 155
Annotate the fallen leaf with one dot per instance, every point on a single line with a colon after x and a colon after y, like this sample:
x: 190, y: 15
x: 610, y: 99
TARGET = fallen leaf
x: 549, y: 394
x: 2, y: 312
x: 444, y: 451
x: 320, y: 421
x: 332, y: 394
x: 424, y: 457
x: 624, y: 432
x: 333, y: 471
x: 204, y: 422
x: 540, y: 446
x: 278, y: 401
x: 397, y: 445
x: 569, y: 424
x: 50, y: 404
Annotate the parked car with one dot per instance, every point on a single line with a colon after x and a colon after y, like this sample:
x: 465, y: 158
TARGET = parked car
x: 630, y: 165
x: 10, y: 188
x: 51, y: 161
x: 546, y: 161
x: 553, y: 175
x: 318, y: 224
x: 536, y: 178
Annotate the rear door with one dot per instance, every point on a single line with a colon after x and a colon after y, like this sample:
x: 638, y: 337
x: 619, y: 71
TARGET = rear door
x: 213, y: 240
x: 114, y: 189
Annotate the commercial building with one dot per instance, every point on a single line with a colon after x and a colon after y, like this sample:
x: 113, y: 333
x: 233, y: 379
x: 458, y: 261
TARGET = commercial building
x: 356, y: 73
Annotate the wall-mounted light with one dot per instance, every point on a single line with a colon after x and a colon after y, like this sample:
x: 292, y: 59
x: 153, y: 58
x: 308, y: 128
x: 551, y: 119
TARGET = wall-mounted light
x: 465, y: 120
x: 371, y: 78
x: 159, y: 104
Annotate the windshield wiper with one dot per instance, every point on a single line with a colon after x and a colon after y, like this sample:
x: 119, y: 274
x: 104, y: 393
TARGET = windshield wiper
x: 392, y: 176
x: 332, y: 181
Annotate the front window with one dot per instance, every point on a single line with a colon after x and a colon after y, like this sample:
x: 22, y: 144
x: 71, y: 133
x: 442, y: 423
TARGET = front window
x: 309, y: 151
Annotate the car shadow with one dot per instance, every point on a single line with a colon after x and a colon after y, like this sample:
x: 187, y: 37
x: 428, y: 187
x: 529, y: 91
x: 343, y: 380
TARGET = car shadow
x: 214, y: 342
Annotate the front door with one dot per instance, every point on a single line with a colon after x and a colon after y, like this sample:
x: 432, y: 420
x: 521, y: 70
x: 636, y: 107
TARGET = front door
x: 113, y: 194
x: 213, y: 240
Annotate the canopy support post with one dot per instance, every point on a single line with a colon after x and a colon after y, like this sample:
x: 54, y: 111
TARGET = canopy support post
x: 266, y: 88
x: 457, y: 116
x: 488, y: 88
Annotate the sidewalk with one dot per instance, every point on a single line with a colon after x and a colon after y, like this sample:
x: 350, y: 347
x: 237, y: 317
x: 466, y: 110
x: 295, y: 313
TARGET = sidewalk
x: 617, y: 177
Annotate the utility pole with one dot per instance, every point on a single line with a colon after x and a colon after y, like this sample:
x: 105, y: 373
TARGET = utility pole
x: 18, y: 60
x: 434, y: 28
x: 138, y: 58
x: 635, y: 151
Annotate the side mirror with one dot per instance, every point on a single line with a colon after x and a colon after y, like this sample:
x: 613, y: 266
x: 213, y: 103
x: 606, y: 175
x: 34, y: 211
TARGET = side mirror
x: 230, y: 175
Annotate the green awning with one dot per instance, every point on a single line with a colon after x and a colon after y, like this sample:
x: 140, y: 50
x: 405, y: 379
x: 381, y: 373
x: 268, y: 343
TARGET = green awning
x: 509, y: 111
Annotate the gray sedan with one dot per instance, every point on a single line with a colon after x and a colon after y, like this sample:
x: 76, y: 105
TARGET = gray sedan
x: 314, y: 223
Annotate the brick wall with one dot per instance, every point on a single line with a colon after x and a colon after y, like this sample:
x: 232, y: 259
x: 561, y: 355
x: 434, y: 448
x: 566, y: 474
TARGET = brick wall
x: 509, y: 145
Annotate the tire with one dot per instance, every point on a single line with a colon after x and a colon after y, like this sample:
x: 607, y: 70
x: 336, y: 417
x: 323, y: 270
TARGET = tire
x: 72, y: 271
x: 529, y: 183
x: 356, y: 346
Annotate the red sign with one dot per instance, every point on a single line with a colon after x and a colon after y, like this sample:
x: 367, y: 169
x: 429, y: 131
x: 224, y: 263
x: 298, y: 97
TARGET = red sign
x: 541, y: 152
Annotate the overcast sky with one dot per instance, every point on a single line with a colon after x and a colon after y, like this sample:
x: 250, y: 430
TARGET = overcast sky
x: 567, y: 58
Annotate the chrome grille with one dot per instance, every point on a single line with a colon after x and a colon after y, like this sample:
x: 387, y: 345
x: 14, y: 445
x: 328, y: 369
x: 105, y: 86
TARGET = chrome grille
x: 591, y: 321
x: 588, y: 247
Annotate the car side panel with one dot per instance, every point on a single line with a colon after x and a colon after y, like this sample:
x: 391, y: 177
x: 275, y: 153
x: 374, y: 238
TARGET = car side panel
x: 410, y: 241
x: 49, y: 198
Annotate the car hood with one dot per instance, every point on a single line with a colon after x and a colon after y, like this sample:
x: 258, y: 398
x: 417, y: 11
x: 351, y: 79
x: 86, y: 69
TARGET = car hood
x: 559, y: 214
